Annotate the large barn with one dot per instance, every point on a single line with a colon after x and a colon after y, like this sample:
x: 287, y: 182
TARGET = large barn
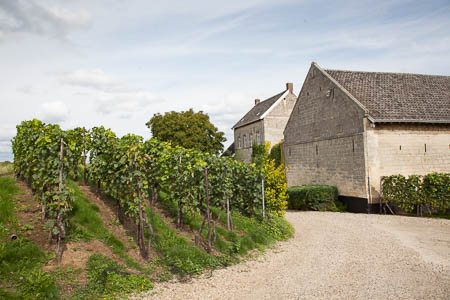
x: 349, y: 128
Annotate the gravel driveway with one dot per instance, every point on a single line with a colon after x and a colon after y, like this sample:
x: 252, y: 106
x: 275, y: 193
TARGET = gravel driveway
x: 336, y: 256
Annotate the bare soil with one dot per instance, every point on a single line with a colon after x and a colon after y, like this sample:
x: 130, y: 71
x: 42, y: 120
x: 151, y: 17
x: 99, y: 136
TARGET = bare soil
x: 110, y: 215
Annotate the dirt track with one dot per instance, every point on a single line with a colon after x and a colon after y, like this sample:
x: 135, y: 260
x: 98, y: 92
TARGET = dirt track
x: 337, y: 256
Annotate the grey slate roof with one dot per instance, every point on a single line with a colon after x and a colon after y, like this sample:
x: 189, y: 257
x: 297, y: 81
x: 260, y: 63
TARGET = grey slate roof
x: 399, y: 97
x: 257, y: 111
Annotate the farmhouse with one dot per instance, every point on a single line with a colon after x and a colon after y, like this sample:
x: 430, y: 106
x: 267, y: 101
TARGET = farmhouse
x: 265, y: 122
x: 350, y: 128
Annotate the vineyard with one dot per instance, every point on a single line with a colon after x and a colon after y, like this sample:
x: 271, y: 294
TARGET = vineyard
x: 214, y: 196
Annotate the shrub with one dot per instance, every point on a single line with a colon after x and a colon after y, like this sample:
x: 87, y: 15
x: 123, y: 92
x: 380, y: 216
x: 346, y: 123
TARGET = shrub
x: 276, y: 154
x: 314, y: 197
x: 275, y: 179
x: 436, y: 191
x: 432, y: 190
x: 275, y: 188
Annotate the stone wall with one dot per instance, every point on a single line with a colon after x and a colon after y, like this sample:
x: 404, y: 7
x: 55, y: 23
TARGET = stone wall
x: 406, y: 149
x: 275, y: 121
x: 244, y: 152
x: 324, y: 138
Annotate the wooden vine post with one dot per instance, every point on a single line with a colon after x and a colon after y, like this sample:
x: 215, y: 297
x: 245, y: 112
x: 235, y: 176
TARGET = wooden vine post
x: 263, y: 204
x: 84, y: 156
x: 143, y: 217
x: 180, y: 203
x: 208, y: 214
x: 228, y: 213
x: 62, y: 233
x: 140, y: 233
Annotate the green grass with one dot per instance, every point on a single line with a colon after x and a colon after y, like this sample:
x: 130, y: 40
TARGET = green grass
x: 21, y: 275
x: 87, y: 224
x: 6, y: 167
x: 7, y: 207
x: 249, y: 233
x: 176, y: 252
x: 108, y: 280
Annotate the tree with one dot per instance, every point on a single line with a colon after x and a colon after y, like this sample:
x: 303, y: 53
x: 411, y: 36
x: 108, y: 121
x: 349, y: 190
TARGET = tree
x: 188, y: 129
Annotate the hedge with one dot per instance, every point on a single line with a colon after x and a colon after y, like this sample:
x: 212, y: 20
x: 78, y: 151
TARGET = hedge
x: 313, y: 197
x: 416, y: 191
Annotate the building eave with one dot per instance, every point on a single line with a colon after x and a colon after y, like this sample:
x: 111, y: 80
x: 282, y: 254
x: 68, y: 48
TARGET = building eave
x: 409, y: 121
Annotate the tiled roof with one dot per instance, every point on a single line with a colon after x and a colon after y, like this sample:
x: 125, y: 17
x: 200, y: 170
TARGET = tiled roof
x: 397, y: 96
x: 258, y: 110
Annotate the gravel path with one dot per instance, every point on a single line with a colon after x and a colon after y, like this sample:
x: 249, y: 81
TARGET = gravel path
x: 336, y: 256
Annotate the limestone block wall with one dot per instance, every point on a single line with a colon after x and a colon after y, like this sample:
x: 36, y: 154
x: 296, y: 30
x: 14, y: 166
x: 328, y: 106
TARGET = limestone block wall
x: 338, y: 162
x: 406, y: 149
x: 244, y: 152
x: 275, y: 121
x: 324, y: 138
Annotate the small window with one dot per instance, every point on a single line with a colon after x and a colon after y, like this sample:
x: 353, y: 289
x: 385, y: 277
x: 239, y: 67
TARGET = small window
x: 289, y: 151
x: 239, y: 142
x: 245, y: 140
x: 317, y: 150
x: 425, y: 147
x: 251, y: 139
x: 258, y: 137
x: 353, y: 143
x: 330, y: 93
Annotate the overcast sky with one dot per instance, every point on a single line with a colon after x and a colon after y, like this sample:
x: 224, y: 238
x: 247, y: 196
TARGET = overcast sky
x: 116, y: 63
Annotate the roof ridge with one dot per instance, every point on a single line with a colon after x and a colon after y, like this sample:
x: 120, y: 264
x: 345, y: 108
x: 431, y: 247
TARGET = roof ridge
x: 258, y: 110
x: 272, y: 97
x: 398, y: 73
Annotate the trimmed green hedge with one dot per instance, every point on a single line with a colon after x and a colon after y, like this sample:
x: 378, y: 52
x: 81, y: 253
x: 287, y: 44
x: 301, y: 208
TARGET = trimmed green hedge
x: 431, y: 190
x: 313, y: 197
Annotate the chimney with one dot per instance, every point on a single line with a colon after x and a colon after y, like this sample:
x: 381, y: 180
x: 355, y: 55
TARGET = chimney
x: 290, y: 87
x: 257, y: 101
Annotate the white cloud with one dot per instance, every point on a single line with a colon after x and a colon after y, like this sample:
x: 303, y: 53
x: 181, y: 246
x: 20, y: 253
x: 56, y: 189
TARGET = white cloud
x: 126, y: 104
x: 54, y: 112
x: 93, y: 78
x: 20, y: 16
x: 113, y: 96
x: 7, y: 132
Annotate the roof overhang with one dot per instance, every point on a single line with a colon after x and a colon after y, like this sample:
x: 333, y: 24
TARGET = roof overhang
x: 265, y: 113
x: 408, y: 121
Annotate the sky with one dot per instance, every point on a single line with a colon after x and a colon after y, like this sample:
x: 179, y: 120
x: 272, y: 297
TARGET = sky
x: 116, y: 63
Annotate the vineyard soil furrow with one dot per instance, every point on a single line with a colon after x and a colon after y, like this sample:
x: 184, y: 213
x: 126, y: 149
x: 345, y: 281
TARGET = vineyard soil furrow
x: 336, y: 256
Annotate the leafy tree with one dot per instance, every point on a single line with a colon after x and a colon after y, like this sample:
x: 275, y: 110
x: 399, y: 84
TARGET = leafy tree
x: 187, y: 129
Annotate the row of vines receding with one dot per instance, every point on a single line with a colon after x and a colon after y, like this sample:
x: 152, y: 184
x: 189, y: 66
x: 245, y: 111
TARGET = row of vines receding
x: 423, y: 193
x: 132, y: 172
x: 43, y: 156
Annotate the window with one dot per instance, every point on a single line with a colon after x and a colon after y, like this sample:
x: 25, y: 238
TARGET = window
x: 251, y: 139
x: 239, y: 142
x: 245, y: 140
x: 258, y: 137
